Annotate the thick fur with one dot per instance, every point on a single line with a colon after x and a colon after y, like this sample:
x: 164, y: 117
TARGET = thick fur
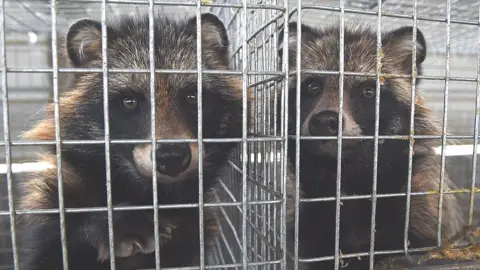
x: 318, y: 159
x: 83, y: 170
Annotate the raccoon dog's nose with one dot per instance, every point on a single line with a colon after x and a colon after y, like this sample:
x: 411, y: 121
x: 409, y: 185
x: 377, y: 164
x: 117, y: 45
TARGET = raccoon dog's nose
x: 173, y: 158
x: 324, y: 124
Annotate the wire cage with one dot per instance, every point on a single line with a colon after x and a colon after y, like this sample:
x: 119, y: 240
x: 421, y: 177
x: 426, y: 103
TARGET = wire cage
x: 252, y: 231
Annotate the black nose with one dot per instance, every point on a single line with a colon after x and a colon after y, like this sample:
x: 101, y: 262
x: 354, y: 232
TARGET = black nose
x: 324, y: 124
x: 173, y: 158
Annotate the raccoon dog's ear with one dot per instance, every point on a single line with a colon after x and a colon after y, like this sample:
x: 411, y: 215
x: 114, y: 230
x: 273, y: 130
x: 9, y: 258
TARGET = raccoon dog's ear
x: 84, y: 42
x: 398, y: 45
x: 214, y: 33
x: 306, y: 34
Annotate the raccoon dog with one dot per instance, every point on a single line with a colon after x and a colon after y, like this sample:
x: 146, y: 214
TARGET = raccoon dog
x: 318, y: 158
x: 83, y: 169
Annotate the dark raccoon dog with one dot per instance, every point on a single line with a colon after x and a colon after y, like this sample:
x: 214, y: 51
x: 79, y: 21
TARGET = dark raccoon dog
x: 318, y: 159
x: 83, y: 170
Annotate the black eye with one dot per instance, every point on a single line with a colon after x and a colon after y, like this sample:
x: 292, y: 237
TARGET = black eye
x: 314, y: 87
x: 191, y: 98
x: 130, y: 103
x: 368, y: 92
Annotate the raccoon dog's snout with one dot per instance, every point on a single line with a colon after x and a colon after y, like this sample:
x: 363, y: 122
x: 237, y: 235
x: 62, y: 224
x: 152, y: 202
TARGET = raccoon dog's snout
x: 324, y: 123
x: 173, y: 158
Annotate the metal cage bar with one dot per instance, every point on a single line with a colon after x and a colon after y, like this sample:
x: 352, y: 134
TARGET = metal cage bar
x: 200, y: 135
x: 106, y: 120
x: 252, y: 194
x: 412, y: 130
x: 341, y: 78
x: 475, y: 134
x: 6, y: 128
x: 151, y: 52
x: 444, y: 127
x: 375, y: 138
x: 297, y: 135
x: 61, y: 203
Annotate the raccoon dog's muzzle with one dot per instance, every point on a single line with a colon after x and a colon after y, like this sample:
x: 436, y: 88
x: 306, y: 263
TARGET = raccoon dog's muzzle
x: 173, y: 160
x: 324, y: 123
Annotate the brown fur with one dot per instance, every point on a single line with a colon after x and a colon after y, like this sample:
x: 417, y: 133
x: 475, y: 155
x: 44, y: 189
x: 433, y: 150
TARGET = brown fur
x: 320, y: 51
x: 81, y: 118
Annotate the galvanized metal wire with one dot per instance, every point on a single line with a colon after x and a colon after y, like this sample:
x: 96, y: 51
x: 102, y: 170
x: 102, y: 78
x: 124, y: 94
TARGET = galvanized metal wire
x: 252, y: 193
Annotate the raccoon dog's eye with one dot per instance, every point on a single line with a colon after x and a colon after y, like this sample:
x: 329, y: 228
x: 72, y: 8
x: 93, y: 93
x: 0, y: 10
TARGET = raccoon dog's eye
x: 314, y: 87
x: 368, y: 92
x: 130, y: 103
x: 191, y: 98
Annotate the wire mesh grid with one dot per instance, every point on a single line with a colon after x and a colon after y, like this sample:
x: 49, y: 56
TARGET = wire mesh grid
x: 263, y: 238
x: 27, y: 31
x: 264, y: 169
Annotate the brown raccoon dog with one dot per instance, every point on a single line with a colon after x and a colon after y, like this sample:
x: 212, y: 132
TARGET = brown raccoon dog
x: 83, y: 170
x: 318, y: 158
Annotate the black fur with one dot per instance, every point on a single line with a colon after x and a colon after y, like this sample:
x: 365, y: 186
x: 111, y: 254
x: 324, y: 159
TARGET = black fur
x: 81, y: 117
x: 318, y: 159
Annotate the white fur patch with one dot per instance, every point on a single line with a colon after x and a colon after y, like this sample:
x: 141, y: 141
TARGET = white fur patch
x: 350, y: 127
x: 142, y: 158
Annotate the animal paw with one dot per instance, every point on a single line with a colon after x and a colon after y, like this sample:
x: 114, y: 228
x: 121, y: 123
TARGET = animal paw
x: 130, y: 246
x: 133, y: 246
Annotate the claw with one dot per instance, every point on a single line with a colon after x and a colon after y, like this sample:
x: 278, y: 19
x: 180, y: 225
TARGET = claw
x: 168, y: 227
x: 103, y: 253
x: 125, y: 248
x: 137, y: 247
x: 132, y: 246
x: 165, y: 235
